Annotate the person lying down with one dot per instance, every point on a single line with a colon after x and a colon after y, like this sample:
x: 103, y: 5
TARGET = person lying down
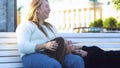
x: 64, y: 47
x: 93, y: 56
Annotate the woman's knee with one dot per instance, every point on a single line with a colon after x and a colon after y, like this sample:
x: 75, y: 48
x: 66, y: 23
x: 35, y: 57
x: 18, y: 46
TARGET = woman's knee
x: 52, y: 63
x: 78, y: 60
x: 74, y: 61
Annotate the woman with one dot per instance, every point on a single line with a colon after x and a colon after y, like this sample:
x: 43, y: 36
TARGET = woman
x: 34, y: 35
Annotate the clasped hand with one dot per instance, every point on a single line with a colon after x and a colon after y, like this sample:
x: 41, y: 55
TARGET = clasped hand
x: 52, y: 45
x: 82, y: 52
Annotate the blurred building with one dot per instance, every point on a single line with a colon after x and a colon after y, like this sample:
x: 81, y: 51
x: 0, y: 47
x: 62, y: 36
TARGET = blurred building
x: 7, y: 15
x: 69, y: 14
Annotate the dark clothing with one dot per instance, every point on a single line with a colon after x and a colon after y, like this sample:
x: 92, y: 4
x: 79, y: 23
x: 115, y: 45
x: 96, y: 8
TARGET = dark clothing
x: 98, y: 58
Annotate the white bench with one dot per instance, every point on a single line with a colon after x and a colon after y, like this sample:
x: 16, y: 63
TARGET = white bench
x: 10, y: 58
x: 9, y: 55
x: 106, y: 41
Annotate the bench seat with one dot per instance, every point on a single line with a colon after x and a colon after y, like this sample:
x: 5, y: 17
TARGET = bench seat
x: 10, y: 57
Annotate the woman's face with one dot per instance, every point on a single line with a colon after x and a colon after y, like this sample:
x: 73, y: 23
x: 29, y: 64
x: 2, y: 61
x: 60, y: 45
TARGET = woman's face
x: 44, y: 10
x: 69, y: 46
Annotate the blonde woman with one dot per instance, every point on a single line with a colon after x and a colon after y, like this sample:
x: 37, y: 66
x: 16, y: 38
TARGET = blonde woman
x: 34, y: 35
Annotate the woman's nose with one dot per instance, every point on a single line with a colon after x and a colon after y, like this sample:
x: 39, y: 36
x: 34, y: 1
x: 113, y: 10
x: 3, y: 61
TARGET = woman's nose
x: 49, y: 9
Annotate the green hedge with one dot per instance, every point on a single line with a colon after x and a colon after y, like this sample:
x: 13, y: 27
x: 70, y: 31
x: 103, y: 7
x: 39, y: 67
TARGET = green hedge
x: 96, y: 23
x: 118, y: 24
x: 110, y: 23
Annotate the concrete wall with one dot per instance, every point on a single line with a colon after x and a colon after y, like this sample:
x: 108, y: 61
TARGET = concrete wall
x: 3, y: 15
x: 7, y: 15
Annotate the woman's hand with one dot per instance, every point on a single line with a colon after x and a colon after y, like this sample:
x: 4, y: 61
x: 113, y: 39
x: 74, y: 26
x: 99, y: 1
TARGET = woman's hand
x: 81, y: 52
x: 52, y: 45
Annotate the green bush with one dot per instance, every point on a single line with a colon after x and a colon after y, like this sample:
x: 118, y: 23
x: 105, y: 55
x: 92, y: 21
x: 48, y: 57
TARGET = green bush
x: 118, y: 24
x: 110, y: 22
x: 91, y: 24
x: 97, y: 23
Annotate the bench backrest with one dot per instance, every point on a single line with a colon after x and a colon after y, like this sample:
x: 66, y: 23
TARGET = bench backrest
x: 106, y: 41
x: 10, y: 57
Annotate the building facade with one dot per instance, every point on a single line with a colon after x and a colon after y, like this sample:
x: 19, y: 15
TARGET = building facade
x: 69, y: 14
x: 7, y: 15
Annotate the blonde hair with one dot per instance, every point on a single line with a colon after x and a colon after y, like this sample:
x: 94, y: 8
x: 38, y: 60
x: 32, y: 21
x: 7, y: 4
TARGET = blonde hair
x: 32, y: 15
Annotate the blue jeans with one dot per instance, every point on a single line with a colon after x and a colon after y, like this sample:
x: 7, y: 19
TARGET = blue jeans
x: 73, y: 61
x: 39, y: 60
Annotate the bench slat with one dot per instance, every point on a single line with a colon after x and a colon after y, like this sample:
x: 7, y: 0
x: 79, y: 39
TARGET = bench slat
x: 91, y: 35
x: 9, y: 53
x: 10, y: 59
x: 11, y: 65
x: 7, y: 40
x: 99, y: 40
x: 109, y: 49
x: 7, y: 34
x: 8, y: 47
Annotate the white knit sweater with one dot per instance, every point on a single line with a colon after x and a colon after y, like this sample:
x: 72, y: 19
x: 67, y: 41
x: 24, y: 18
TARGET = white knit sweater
x: 28, y: 36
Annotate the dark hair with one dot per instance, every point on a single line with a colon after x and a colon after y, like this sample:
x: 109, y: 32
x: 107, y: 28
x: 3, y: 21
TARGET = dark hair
x: 60, y: 52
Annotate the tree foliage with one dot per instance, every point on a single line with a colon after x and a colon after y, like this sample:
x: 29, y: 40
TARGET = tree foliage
x: 96, y: 23
x: 110, y: 22
x: 116, y: 4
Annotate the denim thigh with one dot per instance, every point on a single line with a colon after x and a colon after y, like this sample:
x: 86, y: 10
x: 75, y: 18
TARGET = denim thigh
x: 39, y: 60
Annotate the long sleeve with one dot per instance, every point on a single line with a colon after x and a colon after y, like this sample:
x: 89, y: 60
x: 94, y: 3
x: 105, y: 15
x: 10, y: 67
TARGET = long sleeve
x: 29, y: 35
x: 23, y: 33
